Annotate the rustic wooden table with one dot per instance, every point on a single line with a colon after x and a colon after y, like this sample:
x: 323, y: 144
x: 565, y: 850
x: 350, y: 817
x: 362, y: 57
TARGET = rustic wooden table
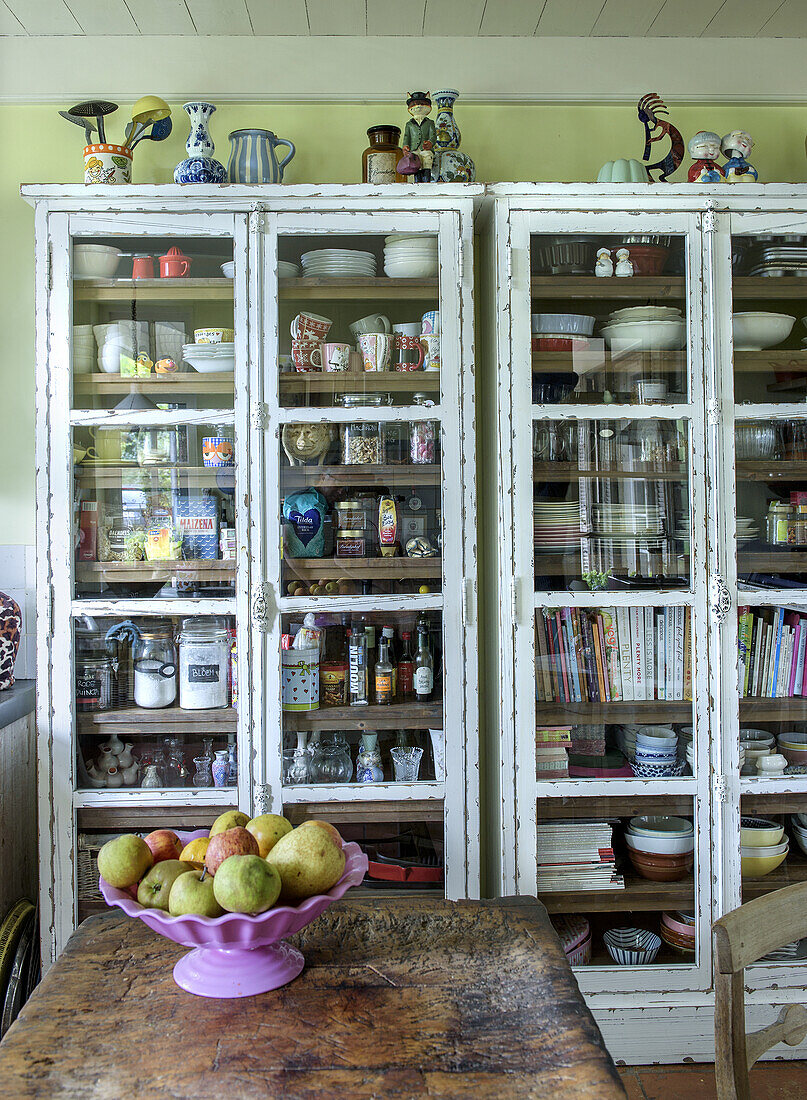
x: 399, y: 998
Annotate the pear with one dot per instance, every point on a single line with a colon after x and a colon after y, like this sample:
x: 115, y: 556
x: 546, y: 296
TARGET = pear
x: 229, y: 820
x: 267, y: 830
x: 246, y: 884
x: 124, y: 860
x: 308, y: 862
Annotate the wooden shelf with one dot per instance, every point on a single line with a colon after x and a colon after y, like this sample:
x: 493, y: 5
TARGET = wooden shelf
x: 791, y: 360
x: 388, y: 569
x: 759, y: 287
x: 793, y: 870
x: 114, y: 477
x: 771, y: 470
x: 165, y: 386
x: 161, y: 815
x: 118, y: 572
x: 639, y: 895
x: 589, y: 286
x: 595, y: 361
x: 647, y: 711
x: 361, y: 812
x: 608, y: 806
x: 395, y: 716
x: 646, y: 471
x: 379, y: 289
x: 151, y: 290
x: 370, y: 382
x: 163, y: 720
x: 337, y: 477
x: 765, y: 804
x: 757, y: 709
x: 781, y: 561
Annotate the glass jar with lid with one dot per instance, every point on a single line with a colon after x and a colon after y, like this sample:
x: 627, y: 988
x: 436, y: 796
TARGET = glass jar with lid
x: 379, y: 161
x: 204, y: 659
x: 362, y: 441
x: 95, y: 680
x: 155, y: 668
x: 422, y: 435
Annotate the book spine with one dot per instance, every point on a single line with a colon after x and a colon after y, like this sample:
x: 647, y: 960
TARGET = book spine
x: 574, y: 675
x: 595, y: 628
x: 669, y: 644
x: 770, y: 648
x: 554, y: 662
x: 798, y: 680
x: 678, y: 653
x: 567, y: 693
x: 540, y: 662
x: 579, y: 654
x: 623, y: 638
x: 604, y: 659
x: 759, y: 652
x: 660, y: 650
x: 777, y: 652
x: 649, y: 634
x: 742, y: 646
x: 588, y: 651
x: 637, y: 656
x: 748, y: 678
x: 791, y: 664
x: 688, y: 654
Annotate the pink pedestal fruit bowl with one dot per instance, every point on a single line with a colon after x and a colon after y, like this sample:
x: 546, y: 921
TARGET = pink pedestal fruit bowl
x: 239, y: 955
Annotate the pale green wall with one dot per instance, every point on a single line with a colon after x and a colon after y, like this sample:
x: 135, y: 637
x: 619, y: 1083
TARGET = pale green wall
x: 538, y: 143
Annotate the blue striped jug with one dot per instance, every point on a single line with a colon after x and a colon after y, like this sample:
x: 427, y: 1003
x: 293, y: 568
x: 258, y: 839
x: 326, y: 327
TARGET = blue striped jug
x: 252, y: 157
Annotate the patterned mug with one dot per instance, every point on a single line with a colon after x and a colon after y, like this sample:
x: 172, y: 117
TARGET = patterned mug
x: 310, y: 326
x: 431, y: 347
x: 335, y: 358
x: 307, y: 355
x: 408, y: 349
x: 430, y: 323
x: 376, y: 350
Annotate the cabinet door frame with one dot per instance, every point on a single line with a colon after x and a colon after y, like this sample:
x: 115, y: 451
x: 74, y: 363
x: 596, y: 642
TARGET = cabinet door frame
x: 457, y: 599
x: 517, y: 572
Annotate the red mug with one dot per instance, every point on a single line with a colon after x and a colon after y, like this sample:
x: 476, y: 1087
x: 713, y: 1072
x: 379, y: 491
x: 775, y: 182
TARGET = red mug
x: 173, y: 265
x: 143, y: 267
x: 404, y: 344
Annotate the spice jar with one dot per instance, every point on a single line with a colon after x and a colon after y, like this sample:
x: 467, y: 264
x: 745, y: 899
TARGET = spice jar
x: 396, y: 442
x: 155, y: 669
x: 94, y: 683
x: 350, y: 515
x: 351, y: 544
x: 362, y: 440
x: 422, y: 436
x: 379, y: 161
x: 204, y: 662
x: 779, y: 516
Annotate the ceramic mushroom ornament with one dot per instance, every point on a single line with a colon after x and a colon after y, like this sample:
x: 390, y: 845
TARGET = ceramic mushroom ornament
x: 704, y: 148
x: 735, y: 147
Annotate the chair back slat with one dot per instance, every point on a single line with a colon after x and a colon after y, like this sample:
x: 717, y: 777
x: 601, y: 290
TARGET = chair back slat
x: 747, y: 934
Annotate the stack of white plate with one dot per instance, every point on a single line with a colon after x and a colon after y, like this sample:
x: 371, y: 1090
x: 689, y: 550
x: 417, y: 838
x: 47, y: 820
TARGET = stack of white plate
x: 645, y: 313
x: 286, y: 270
x: 628, y: 520
x: 410, y: 256
x: 338, y: 263
x: 207, y: 358
x: 556, y: 526
x: 119, y: 344
x: 84, y: 349
x: 747, y: 529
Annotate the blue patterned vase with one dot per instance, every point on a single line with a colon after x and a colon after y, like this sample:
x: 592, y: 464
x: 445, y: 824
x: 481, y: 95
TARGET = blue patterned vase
x: 450, y: 165
x: 200, y: 166
x: 252, y: 157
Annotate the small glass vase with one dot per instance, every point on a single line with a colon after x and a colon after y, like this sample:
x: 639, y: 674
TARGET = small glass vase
x: 204, y: 775
x: 330, y: 762
x: 406, y: 763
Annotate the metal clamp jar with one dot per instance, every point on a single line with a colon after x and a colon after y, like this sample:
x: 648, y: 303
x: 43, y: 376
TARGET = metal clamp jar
x: 204, y: 662
x: 155, y: 669
x: 779, y: 517
x: 422, y: 435
x: 94, y: 683
x: 362, y: 441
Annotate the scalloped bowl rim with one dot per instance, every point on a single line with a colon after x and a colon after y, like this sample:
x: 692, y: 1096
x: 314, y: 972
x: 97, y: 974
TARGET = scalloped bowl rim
x: 356, y: 864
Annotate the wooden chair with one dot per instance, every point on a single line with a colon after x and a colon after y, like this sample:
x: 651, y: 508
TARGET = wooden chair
x: 743, y: 937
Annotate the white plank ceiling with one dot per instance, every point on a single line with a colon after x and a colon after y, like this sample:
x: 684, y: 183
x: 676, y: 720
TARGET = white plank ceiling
x: 418, y: 18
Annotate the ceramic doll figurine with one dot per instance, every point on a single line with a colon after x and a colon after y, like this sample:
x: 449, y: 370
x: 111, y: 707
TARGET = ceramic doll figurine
x: 623, y: 265
x: 703, y: 148
x: 605, y: 265
x: 735, y: 147
x: 419, y: 139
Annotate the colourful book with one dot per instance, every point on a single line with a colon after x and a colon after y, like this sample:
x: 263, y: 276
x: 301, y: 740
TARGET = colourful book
x: 637, y: 651
x: 798, y: 683
x: 611, y: 642
x: 660, y: 651
x: 588, y: 655
x: 777, y: 652
x: 543, y: 690
x: 598, y: 654
x: 688, y: 654
x: 649, y: 638
x: 557, y: 679
x: 561, y: 651
x: 623, y: 639
x: 743, y: 615
x: 568, y: 634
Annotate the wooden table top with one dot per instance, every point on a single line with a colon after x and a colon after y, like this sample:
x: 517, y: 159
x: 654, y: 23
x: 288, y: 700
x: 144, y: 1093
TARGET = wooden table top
x: 399, y: 998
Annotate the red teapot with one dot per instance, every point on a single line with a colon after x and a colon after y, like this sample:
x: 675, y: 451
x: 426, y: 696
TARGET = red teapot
x: 174, y: 265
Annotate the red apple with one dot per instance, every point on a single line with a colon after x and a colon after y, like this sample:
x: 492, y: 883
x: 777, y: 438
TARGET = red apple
x: 232, y: 842
x: 164, y: 844
x: 332, y: 832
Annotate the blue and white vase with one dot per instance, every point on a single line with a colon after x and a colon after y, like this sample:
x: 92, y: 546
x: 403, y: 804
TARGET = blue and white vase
x: 450, y: 165
x: 252, y: 157
x: 200, y: 166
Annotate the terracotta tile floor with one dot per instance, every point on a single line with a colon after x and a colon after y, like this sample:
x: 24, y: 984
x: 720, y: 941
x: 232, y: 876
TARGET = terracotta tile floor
x: 769, y: 1081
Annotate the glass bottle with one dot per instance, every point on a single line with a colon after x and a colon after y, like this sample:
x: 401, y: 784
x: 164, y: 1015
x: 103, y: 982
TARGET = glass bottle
x: 379, y: 161
x: 388, y: 632
x: 358, y: 667
x: 203, y: 776
x: 175, y: 765
x: 383, y: 675
x: 232, y: 764
x: 406, y: 669
x: 368, y: 761
x: 424, y: 666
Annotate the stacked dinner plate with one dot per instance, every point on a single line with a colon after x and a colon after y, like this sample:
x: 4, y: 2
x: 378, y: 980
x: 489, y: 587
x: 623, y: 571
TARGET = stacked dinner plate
x: 556, y: 526
x: 628, y: 520
x: 747, y: 529
x: 410, y: 256
x: 286, y: 270
x: 210, y: 358
x: 338, y: 263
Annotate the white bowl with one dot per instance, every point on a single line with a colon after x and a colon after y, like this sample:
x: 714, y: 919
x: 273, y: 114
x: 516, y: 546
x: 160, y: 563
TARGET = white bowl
x: 208, y: 364
x: 410, y: 269
x: 127, y: 329
x: 660, y: 845
x: 767, y: 850
x: 228, y: 269
x: 755, y: 331
x: 792, y: 740
x: 110, y: 359
x: 661, y: 826
x: 645, y: 335
x: 563, y: 324
x: 95, y: 261
x: 646, y: 313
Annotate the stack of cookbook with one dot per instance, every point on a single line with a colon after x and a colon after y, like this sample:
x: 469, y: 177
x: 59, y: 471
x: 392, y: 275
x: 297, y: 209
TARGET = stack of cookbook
x: 576, y: 856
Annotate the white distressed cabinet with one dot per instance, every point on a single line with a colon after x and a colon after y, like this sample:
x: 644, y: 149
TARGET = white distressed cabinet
x: 617, y: 467
x: 128, y: 460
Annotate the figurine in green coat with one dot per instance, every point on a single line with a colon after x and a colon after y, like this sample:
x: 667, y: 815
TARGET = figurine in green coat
x: 419, y: 137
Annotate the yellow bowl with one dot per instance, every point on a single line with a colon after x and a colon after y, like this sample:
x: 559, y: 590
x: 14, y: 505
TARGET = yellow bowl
x: 765, y: 834
x: 759, y: 866
x: 150, y: 108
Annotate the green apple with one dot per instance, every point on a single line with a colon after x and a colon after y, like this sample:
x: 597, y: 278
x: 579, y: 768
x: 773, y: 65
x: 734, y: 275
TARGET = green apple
x: 246, y: 884
x: 308, y: 862
x: 228, y: 820
x: 193, y: 894
x: 123, y: 861
x: 267, y: 830
x: 155, y: 887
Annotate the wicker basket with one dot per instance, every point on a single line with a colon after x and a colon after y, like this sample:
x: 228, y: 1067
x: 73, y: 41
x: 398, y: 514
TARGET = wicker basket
x: 89, y: 845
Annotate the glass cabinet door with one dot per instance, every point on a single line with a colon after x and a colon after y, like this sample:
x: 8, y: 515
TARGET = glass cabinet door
x: 761, y: 300
x: 608, y: 442
x: 365, y: 684
x: 148, y: 531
